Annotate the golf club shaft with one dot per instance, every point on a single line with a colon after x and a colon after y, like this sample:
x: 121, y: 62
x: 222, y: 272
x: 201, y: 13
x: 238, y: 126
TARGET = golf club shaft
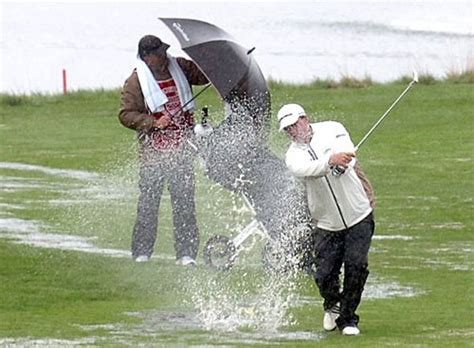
x: 384, y: 115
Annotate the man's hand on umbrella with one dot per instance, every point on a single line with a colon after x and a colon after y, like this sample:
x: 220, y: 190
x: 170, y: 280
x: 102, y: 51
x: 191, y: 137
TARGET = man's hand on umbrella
x: 341, y: 159
x: 163, y: 122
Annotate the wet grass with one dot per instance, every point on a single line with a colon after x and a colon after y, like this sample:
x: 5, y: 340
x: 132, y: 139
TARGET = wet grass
x: 419, y: 160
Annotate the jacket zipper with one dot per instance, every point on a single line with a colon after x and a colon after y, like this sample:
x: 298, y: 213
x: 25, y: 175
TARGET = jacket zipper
x: 313, y: 155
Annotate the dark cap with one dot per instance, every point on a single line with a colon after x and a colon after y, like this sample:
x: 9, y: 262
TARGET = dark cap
x: 151, y: 44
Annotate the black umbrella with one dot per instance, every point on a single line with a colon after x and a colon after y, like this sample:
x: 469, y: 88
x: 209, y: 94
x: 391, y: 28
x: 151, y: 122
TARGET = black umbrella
x: 229, y: 66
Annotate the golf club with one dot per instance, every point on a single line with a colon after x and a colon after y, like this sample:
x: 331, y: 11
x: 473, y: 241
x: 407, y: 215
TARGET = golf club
x: 412, y: 82
x: 338, y: 170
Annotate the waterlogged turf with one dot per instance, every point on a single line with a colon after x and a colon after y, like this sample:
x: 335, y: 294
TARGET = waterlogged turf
x: 68, y: 175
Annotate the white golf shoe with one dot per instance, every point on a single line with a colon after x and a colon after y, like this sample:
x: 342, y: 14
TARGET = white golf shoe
x: 142, y: 258
x: 351, y: 331
x: 186, y: 261
x: 330, y: 316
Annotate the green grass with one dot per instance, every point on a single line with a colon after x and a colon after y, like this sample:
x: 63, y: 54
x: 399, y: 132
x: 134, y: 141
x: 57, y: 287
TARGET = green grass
x: 419, y: 161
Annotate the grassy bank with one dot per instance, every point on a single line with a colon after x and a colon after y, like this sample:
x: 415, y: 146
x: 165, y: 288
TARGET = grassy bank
x: 419, y: 161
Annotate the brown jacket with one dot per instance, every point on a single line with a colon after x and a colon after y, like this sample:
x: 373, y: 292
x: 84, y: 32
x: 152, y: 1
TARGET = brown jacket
x: 133, y: 112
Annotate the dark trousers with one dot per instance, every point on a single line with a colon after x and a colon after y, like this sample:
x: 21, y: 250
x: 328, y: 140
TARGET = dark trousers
x: 158, y: 169
x: 350, y: 248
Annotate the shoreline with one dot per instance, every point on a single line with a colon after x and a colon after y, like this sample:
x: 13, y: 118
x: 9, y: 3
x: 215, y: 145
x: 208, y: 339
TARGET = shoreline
x: 346, y: 81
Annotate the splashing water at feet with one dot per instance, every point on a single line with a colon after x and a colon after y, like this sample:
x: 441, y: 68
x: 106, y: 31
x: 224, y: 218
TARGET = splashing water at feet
x: 225, y: 305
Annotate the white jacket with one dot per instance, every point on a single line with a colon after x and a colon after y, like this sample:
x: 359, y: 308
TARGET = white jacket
x: 336, y: 203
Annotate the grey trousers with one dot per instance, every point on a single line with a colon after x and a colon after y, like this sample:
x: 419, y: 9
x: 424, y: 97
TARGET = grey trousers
x: 175, y: 169
x: 351, y: 248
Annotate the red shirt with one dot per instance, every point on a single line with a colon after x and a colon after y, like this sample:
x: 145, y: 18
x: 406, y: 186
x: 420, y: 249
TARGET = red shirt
x: 172, y: 136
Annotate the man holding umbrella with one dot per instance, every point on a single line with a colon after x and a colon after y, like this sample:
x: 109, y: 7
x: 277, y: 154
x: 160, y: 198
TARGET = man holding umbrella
x: 155, y: 101
x: 340, y: 199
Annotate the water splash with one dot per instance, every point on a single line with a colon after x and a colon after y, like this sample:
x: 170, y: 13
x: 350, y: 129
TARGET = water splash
x: 226, y: 305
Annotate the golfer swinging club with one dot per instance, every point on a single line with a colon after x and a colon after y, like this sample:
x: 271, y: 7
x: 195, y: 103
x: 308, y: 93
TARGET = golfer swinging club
x: 341, y: 200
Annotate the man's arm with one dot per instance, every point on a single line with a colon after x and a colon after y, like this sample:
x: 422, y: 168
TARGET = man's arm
x: 192, y: 72
x: 303, y: 163
x: 133, y: 112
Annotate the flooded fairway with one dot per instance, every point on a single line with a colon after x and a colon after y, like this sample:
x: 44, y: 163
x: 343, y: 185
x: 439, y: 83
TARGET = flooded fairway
x: 242, y: 306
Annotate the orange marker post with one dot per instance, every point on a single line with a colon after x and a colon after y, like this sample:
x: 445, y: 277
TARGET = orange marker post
x: 64, y: 81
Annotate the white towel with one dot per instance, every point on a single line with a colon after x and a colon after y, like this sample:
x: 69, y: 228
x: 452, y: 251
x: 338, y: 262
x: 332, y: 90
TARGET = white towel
x: 154, y: 96
x: 184, y: 89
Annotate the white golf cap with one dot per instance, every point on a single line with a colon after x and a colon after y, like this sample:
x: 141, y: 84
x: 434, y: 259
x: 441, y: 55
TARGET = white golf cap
x: 289, y: 114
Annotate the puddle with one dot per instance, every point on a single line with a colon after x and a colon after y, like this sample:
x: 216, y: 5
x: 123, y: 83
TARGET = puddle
x: 392, y: 237
x: 65, y: 173
x: 28, y: 232
x: 159, y: 325
x: 44, y: 342
x: 377, y: 289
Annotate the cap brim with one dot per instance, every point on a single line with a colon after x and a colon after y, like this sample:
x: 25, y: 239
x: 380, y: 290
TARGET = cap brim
x: 288, y: 121
x: 163, y: 48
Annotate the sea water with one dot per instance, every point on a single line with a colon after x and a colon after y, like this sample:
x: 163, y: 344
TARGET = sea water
x: 297, y: 42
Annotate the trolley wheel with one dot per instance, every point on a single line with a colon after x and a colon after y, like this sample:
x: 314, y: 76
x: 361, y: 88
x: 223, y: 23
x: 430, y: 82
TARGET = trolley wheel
x: 219, y: 252
x: 275, y: 258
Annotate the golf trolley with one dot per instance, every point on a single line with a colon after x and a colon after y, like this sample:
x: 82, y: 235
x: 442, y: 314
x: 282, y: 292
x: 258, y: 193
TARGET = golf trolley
x: 221, y: 251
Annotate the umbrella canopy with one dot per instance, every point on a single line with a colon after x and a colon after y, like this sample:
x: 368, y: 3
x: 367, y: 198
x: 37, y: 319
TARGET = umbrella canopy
x: 229, y: 66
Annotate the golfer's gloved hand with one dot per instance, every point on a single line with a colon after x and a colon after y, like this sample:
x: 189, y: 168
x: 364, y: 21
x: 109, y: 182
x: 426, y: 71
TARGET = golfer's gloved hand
x: 339, y: 162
